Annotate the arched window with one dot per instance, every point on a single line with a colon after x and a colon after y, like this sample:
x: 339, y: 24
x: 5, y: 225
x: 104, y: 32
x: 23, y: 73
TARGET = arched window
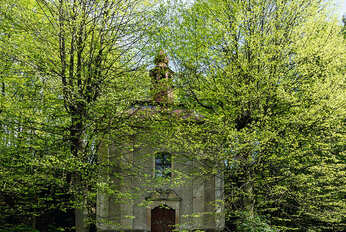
x: 163, y: 164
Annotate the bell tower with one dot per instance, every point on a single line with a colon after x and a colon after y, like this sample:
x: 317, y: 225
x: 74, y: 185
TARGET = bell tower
x: 161, y: 77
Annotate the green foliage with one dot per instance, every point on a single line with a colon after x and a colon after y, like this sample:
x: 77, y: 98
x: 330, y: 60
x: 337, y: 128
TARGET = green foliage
x: 20, y: 228
x: 248, y: 223
x: 265, y: 80
x: 268, y: 77
x: 64, y: 80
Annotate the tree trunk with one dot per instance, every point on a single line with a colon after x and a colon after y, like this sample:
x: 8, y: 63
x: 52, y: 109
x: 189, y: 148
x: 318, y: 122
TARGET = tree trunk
x: 76, y: 132
x: 249, y: 201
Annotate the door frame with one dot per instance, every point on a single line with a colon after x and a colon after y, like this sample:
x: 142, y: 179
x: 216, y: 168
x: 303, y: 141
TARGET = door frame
x: 171, y: 204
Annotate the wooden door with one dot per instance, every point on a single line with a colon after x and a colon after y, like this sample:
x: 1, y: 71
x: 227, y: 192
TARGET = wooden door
x: 162, y: 219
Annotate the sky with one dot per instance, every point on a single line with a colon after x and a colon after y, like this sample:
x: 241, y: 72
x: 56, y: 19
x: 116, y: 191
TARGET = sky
x: 340, y: 8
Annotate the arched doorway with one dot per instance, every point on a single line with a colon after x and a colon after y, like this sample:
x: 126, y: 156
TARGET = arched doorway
x: 162, y: 219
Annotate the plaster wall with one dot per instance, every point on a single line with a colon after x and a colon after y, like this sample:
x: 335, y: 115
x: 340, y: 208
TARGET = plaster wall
x: 192, y: 196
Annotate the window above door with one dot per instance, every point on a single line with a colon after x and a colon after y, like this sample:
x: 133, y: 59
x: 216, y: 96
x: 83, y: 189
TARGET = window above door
x: 163, y: 164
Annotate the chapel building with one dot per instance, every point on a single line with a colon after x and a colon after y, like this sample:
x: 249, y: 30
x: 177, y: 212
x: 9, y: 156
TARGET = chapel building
x: 163, y: 188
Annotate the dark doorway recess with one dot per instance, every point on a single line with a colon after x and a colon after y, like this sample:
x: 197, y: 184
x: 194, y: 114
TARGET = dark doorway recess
x: 162, y: 219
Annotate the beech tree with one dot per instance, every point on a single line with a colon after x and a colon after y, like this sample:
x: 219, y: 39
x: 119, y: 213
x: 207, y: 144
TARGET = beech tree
x: 268, y: 77
x: 265, y: 78
x: 81, y: 53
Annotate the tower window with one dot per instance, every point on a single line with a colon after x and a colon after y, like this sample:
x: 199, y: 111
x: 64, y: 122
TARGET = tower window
x: 163, y: 164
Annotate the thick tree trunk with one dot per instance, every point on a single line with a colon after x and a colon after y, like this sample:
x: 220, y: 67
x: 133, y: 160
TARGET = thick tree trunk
x: 80, y: 220
x: 81, y: 213
x: 76, y: 132
x: 249, y: 201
